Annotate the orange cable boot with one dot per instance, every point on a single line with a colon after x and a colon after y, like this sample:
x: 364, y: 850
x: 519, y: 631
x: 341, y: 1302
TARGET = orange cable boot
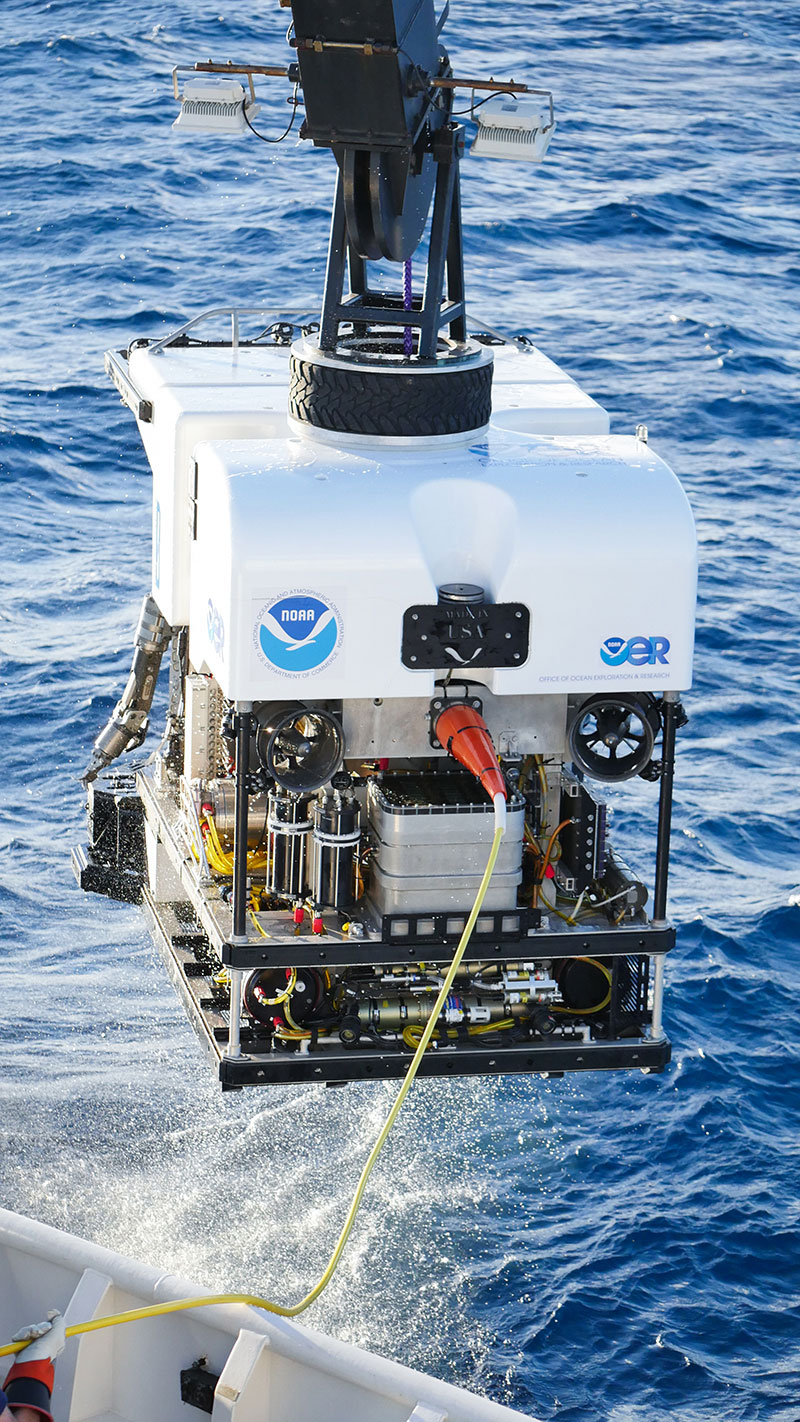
x: 465, y: 735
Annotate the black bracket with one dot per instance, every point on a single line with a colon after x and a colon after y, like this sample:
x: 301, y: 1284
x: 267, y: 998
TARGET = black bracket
x: 197, y: 1386
x: 438, y: 705
x: 442, y: 636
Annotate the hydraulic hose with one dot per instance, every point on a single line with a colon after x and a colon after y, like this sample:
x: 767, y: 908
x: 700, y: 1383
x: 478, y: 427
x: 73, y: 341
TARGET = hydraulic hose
x: 292, y: 1310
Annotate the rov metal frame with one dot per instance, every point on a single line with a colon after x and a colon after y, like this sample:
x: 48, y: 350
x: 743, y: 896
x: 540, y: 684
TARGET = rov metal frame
x: 214, y: 933
x: 243, y: 1056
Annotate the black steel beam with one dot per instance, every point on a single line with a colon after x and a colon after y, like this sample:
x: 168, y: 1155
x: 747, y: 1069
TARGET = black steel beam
x: 669, y: 714
x: 360, y: 1065
x: 241, y: 722
x: 358, y: 952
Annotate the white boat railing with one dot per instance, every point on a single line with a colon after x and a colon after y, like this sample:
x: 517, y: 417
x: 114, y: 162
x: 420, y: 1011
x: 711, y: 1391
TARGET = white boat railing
x: 234, y: 314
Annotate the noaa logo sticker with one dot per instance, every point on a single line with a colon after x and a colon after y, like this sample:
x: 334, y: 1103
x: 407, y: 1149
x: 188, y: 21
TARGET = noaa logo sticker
x: 298, y: 633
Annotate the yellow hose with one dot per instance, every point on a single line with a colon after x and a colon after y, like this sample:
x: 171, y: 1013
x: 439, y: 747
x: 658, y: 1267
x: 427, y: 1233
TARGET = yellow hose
x: 292, y: 1310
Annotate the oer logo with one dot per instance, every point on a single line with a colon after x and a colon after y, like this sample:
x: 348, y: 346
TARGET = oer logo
x: 639, y: 651
x: 299, y: 632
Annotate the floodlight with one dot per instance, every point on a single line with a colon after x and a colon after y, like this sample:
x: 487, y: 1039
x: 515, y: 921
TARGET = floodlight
x: 215, y: 106
x: 509, y: 127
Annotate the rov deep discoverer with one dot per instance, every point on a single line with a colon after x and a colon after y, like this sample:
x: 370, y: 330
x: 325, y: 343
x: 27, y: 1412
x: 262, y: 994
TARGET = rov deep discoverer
x: 400, y: 568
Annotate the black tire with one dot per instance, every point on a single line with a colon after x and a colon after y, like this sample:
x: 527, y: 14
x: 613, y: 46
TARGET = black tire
x: 398, y: 403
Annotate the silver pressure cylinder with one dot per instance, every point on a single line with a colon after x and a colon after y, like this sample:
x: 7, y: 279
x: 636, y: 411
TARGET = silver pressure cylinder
x: 222, y: 796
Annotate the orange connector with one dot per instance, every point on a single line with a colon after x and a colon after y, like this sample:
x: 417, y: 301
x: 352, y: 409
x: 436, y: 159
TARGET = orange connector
x: 464, y: 733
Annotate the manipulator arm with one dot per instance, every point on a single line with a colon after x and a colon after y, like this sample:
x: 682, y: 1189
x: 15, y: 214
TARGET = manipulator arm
x: 128, y: 724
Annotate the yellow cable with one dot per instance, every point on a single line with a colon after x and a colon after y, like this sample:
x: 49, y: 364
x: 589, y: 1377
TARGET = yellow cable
x: 411, y: 1034
x: 213, y: 835
x: 292, y: 1310
x: 290, y: 985
x: 483, y: 1027
x: 220, y: 860
x: 539, y: 762
x: 552, y: 842
x: 547, y: 857
x: 551, y: 908
x: 257, y: 925
x: 287, y: 1012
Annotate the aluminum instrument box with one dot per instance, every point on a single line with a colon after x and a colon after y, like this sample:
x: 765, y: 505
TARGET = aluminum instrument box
x: 443, y: 820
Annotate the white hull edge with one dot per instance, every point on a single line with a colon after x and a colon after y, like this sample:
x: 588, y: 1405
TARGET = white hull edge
x: 270, y: 1369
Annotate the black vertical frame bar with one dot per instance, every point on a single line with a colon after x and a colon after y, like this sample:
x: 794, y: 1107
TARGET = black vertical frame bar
x: 437, y: 257
x: 455, y: 260
x: 359, y: 284
x: 242, y: 722
x: 669, y: 720
x: 334, y: 278
x: 357, y: 270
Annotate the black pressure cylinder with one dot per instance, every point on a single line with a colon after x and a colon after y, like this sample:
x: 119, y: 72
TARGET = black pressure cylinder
x: 337, y: 830
x: 289, y: 833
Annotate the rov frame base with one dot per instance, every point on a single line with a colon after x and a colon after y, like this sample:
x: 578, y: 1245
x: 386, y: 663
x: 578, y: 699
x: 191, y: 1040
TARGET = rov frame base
x: 259, y: 1066
x: 190, y: 921
x: 193, y: 937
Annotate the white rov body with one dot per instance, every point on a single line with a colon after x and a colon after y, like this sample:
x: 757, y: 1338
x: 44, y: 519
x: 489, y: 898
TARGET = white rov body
x: 330, y: 596
x: 269, y: 1370
x: 260, y: 521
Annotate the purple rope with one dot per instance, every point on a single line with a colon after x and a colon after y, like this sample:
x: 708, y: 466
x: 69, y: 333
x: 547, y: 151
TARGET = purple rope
x: 408, y: 335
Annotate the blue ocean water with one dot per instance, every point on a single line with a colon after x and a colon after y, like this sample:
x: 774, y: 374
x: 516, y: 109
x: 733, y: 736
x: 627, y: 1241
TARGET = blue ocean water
x: 620, y: 1247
